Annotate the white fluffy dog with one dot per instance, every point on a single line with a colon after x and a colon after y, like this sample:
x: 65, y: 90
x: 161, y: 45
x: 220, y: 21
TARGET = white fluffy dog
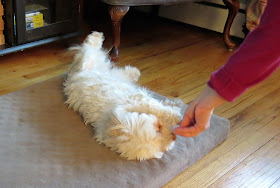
x: 125, y: 116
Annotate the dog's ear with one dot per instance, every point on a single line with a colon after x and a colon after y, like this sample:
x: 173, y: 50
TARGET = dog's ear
x: 158, y: 126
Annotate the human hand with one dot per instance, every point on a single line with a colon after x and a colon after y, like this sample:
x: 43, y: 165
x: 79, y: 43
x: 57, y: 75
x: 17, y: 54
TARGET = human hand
x: 198, y: 114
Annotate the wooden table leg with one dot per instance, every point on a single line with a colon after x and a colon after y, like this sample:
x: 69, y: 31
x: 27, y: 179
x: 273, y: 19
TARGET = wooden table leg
x: 233, y: 7
x: 116, y: 13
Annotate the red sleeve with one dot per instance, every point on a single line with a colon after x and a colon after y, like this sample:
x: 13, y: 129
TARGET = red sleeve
x: 255, y: 60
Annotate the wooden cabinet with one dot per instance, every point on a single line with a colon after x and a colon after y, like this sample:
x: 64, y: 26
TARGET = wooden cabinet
x: 2, y: 38
x: 30, y: 23
x: 57, y: 17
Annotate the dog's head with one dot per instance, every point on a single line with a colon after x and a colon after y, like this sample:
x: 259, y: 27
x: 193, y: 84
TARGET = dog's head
x: 141, y: 135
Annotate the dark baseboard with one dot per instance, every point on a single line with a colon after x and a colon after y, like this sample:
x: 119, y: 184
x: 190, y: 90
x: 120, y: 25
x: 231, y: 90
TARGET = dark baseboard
x: 6, y: 49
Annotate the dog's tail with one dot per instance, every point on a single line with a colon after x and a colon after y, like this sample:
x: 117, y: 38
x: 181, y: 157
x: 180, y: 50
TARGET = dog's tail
x: 90, y: 55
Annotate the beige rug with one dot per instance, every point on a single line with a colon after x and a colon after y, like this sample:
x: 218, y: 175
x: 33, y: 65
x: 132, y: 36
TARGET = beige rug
x: 44, y: 144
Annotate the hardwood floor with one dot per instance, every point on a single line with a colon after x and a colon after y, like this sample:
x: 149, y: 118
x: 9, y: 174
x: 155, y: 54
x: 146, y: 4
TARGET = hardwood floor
x: 177, y: 61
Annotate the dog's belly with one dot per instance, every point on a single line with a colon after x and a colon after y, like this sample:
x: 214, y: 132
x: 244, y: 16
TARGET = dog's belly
x: 96, y: 94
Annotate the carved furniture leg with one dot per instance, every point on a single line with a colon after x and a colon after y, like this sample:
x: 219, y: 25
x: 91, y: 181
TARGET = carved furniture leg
x: 116, y: 13
x: 233, y: 7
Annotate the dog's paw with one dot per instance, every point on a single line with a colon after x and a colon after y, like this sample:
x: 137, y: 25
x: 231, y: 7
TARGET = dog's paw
x: 133, y: 73
x: 170, y: 146
x: 158, y: 155
x: 178, y: 118
x: 95, y: 39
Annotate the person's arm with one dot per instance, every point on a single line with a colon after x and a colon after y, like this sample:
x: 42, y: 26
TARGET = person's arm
x: 255, y: 60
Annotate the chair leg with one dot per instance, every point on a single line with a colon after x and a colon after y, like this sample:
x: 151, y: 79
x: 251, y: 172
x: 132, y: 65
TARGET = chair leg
x: 116, y: 13
x: 233, y: 7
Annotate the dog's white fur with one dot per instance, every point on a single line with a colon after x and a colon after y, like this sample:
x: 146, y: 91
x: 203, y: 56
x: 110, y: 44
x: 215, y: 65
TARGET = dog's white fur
x: 125, y: 116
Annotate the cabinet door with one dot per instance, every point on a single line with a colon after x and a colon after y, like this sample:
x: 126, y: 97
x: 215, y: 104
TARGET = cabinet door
x: 39, y: 19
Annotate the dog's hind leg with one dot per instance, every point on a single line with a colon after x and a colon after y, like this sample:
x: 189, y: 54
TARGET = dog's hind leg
x: 95, y: 40
x: 132, y: 73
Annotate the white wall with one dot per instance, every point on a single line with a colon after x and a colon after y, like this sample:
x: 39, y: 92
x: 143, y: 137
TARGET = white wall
x: 204, y: 16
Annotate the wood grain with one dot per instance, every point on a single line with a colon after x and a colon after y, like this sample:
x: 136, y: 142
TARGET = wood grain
x: 177, y: 61
x: 255, y: 168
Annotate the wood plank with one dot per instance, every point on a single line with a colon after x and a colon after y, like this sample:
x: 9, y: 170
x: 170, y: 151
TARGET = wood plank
x: 32, y: 78
x: 252, y: 171
x: 267, y: 176
x: 33, y: 67
x: 209, y: 174
x: 276, y: 184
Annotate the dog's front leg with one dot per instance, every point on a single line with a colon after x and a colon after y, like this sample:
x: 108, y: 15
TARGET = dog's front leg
x: 157, y: 109
x: 173, y: 103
